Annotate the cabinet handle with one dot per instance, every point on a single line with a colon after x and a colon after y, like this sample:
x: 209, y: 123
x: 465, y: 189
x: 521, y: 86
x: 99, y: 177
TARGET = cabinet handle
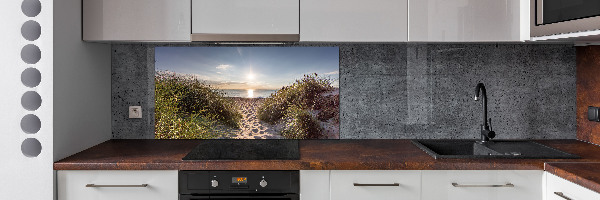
x: 560, y: 194
x: 94, y: 185
x: 505, y: 185
x: 361, y: 184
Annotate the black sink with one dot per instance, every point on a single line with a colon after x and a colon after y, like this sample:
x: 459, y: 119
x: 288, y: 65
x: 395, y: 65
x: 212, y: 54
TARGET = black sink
x: 492, y: 149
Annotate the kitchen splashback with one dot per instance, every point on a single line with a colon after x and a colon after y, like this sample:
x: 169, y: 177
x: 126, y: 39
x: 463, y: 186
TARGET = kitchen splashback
x: 588, y: 84
x: 398, y: 91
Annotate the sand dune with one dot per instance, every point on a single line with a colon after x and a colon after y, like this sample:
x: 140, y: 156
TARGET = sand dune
x: 251, y: 127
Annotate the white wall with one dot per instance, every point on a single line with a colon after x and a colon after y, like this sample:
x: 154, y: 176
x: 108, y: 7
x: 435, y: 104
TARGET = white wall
x: 24, y: 177
x: 75, y: 93
x: 82, y: 84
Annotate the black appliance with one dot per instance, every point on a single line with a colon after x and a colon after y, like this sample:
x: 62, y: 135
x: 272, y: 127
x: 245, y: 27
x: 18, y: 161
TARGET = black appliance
x: 554, y: 11
x: 556, y: 19
x: 235, y: 185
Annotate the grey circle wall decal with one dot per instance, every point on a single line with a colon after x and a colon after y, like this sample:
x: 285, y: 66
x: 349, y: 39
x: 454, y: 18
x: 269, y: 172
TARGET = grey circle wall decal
x: 31, y: 30
x: 31, y: 100
x: 31, y: 54
x: 31, y: 77
x: 31, y: 8
x: 30, y: 124
x: 31, y: 147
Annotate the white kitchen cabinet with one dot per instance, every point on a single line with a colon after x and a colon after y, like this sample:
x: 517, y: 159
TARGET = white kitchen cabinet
x: 220, y: 19
x: 468, y: 20
x: 354, y: 20
x: 136, y: 20
x: 561, y: 189
x: 378, y: 184
x: 117, y: 185
x: 482, y: 184
x: 314, y: 184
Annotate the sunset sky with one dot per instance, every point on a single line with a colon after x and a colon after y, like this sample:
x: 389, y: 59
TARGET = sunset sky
x: 249, y: 67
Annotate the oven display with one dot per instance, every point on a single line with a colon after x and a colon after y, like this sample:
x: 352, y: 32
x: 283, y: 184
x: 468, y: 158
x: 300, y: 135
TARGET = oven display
x: 239, y: 180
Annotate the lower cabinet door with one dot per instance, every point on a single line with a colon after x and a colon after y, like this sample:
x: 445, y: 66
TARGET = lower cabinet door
x: 482, y: 184
x: 314, y: 184
x: 117, y: 185
x: 375, y: 185
x: 560, y: 189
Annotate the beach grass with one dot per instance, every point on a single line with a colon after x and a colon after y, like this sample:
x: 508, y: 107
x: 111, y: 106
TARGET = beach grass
x: 300, y: 124
x: 293, y: 105
x: 189, y: 109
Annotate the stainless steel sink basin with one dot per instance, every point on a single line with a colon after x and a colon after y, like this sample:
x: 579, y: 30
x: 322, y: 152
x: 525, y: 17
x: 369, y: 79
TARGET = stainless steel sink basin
x: 494, y: 149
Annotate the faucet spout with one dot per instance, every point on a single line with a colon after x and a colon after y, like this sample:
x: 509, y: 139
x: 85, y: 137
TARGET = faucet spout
x: 481, y: 88
x: 486, y: 132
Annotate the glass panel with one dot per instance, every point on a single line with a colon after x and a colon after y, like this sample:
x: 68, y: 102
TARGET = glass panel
x: 564, y: 10
x: 246, y: 93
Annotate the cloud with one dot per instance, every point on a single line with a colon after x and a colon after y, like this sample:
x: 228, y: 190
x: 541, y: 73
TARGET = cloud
x: 223, y: 67
x: 332, y: 73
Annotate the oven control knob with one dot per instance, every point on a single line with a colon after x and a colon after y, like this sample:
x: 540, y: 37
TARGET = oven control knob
x: 263, y: 183
x: 214, y: 183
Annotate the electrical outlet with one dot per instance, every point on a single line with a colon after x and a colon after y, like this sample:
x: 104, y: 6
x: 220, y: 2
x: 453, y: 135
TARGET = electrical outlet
x: 135, y: 112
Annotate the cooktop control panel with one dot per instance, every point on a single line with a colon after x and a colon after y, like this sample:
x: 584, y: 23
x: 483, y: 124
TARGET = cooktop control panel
x: 214, y: 182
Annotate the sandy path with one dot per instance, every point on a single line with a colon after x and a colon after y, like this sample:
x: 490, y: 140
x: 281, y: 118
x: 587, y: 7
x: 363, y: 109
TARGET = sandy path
x: 251, y: 127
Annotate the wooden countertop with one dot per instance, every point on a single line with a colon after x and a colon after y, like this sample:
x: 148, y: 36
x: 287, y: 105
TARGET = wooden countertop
x: 314, y: 155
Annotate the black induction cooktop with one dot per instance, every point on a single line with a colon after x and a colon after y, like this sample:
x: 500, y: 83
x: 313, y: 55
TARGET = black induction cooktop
x: 231, y: 149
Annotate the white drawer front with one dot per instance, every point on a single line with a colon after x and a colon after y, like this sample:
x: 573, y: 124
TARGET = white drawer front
x: 343, y: 188
x: 162, y: 185
x: 567, y: 188
x: 476, y: 184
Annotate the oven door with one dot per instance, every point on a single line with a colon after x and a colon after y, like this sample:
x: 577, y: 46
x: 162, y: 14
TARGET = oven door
x: 237, y: 197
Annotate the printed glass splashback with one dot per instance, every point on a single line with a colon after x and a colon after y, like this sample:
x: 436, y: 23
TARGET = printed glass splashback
x: 247, y: 93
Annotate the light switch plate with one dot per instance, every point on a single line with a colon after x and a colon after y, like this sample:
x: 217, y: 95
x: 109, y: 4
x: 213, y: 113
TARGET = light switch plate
x: 135, y: 112
x: 593, y: 114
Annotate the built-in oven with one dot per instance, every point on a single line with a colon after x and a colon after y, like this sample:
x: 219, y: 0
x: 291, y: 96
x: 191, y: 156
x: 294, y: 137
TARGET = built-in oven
x: 235, y: 185
x: 553, y: 17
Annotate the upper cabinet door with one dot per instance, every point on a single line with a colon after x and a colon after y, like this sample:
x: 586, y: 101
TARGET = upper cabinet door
x: 136, y: 20
x: 245, y: 17
x: 468, y: 20
x: 354, y: 20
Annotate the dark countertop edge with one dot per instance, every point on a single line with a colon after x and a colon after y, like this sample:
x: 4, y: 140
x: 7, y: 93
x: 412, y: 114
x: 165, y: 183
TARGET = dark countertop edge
x: 299, y: 165
x: 579, y: 179
x: 101, y: 157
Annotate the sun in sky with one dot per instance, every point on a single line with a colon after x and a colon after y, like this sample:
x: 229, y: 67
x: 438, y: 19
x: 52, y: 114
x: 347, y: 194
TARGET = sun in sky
x: 250, y: 76
x: 243, y: 68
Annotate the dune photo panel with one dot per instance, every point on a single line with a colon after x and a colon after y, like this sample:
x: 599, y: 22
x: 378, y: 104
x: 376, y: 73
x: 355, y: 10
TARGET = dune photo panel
x: 247, y: 93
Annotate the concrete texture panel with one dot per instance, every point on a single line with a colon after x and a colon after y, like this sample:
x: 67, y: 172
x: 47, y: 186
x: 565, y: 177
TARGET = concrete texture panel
x: 408, y: 90
x: 132, y: 85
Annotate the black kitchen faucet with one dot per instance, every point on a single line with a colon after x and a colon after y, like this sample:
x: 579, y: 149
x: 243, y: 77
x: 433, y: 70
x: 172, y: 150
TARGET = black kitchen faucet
x: 486, y: 129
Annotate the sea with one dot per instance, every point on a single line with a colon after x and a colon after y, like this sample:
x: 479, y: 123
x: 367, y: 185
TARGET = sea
x: 248, y: 93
